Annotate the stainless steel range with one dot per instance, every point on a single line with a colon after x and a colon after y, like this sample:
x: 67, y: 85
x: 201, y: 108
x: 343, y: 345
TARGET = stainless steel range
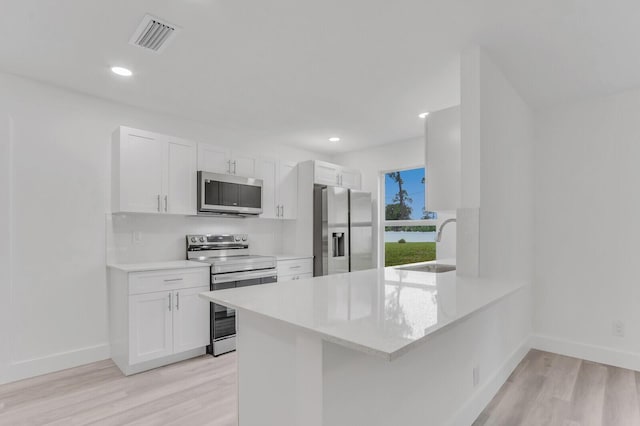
x: 231, y: 266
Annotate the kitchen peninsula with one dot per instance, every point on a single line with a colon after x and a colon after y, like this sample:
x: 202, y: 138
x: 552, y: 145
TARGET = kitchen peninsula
x: 379, y: 347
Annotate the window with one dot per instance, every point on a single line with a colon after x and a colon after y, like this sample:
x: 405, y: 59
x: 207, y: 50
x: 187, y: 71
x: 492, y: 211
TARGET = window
x: 409, y: 229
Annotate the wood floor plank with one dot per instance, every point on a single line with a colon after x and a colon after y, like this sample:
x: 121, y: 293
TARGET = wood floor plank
x: 102, y: 395
x: 621, y: 398
x: 548, y: 411
x: 544, y: 389
x: 515, y: 404
x: 588, y: 395
x: 561, y: 377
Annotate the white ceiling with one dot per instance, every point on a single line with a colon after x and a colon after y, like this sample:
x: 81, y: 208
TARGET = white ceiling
x: 300, y: 71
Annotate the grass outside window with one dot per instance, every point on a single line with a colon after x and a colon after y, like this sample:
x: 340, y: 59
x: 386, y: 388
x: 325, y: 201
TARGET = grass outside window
x: 403, y: 253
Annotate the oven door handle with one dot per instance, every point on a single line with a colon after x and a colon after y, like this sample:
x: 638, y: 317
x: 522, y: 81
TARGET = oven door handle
x: 240, y: 276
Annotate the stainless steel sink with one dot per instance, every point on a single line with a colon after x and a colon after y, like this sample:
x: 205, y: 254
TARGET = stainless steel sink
x: 430, y: 267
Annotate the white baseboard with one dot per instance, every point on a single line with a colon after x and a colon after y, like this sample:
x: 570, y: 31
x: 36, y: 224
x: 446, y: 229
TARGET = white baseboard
x: 24, y: 369
x: 601, y: 354
x: 481, y: 398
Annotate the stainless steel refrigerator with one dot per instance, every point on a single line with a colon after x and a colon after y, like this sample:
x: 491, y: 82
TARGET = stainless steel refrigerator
x: 342, y: 230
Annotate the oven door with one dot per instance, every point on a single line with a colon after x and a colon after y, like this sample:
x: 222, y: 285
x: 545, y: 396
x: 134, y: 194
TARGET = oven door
x: 223, y: 319
x: 229, y: 194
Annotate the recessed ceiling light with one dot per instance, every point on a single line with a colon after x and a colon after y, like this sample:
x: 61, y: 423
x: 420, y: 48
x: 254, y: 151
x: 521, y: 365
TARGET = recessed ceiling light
x: 334, y: 139
x: 423, y: 115
x: 121, y: 71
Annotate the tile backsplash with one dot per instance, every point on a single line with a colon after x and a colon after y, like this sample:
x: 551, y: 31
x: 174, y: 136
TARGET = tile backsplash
x: 134, y: 238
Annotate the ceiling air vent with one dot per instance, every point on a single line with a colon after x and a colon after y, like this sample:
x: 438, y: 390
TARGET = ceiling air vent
x: 153, y: 34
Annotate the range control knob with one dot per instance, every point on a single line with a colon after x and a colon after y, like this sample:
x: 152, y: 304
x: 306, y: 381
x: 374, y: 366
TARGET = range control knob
x: 244, y: 238
x: 193, y: 239
x: 202, y: 239
x: 237, y: 237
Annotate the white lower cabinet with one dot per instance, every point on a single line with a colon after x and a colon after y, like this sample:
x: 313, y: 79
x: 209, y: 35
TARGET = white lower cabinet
x: 295, y: 269
x: 294, y: 277
x: 190, y: 320
x: 156, y: 317
x: 151, y: 327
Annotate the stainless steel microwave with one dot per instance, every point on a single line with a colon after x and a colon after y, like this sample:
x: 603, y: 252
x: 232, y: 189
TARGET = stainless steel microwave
x: 226, y: 194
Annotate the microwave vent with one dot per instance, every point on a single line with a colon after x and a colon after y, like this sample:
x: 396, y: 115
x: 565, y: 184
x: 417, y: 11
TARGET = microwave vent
x: 153, y: 34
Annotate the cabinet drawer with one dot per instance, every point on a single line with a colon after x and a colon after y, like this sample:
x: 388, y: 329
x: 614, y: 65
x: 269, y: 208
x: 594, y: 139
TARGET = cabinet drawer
x: 294, y: 277
x: 295, y: 267
x: 167, y: 280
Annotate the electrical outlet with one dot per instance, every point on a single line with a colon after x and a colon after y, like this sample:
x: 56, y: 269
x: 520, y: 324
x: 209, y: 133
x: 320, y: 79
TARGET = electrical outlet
x: 618, y: 328
x: 476, y: 375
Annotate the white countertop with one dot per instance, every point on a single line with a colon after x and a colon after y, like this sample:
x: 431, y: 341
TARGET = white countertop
x: 156, y: 266
x: 383, y: 312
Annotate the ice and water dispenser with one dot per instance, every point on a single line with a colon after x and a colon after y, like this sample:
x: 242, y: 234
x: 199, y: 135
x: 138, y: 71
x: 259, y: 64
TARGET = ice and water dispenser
x: 339, y: 243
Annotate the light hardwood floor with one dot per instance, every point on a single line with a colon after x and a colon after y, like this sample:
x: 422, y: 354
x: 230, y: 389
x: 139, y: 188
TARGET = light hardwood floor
x: 200, y: 391
x: 545, y: 389
x: 549, y: 389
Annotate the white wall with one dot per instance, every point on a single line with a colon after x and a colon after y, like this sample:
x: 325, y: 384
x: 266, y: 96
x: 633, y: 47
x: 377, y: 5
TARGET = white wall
x: 497, y: 151
x: 59, y: 171
x: 587, y: 158
x: 5, y: 238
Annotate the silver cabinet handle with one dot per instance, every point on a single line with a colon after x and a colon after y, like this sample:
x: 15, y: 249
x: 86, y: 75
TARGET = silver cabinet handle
x: 234, y: 167
x: 178, y: 300
x: 229, y: 166
x: 165, y: 202
x: 158, y: 202
x: 169, y: 301
x: 295, y: 267
x: 341, y: 180
x: 172, y: 279
x: 282, y: 211
x: 337, y: 179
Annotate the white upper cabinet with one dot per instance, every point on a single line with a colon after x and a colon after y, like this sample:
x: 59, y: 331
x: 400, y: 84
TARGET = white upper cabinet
x: 279, y: 188
x: 216, y: 159
x: 267, y: 170
x: 243, y: 164
x: 180, y: 196
x: 326, y: 173
x: 152, y: 173
x: 335, y: 175
x: 288, y: 190
x: 137, y: 163
x: 350, y: 179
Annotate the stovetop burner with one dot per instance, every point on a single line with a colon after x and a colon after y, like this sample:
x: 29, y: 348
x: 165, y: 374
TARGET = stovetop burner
x: 226, y: 253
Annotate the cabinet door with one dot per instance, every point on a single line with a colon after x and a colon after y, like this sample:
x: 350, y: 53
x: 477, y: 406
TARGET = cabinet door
x: 288, y: 189
x: 141, y: 167
x: 243, y: 165
x: 190, y: 319
x: 213, y: 159
x: 350, y: 179
x: 181, y: 186
x: 267, y: 170
x: 150, y: 326
x: 326, y: 174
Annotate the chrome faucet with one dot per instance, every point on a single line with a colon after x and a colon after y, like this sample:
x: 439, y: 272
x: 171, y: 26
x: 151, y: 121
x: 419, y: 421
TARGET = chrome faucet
x: 439, y: 236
